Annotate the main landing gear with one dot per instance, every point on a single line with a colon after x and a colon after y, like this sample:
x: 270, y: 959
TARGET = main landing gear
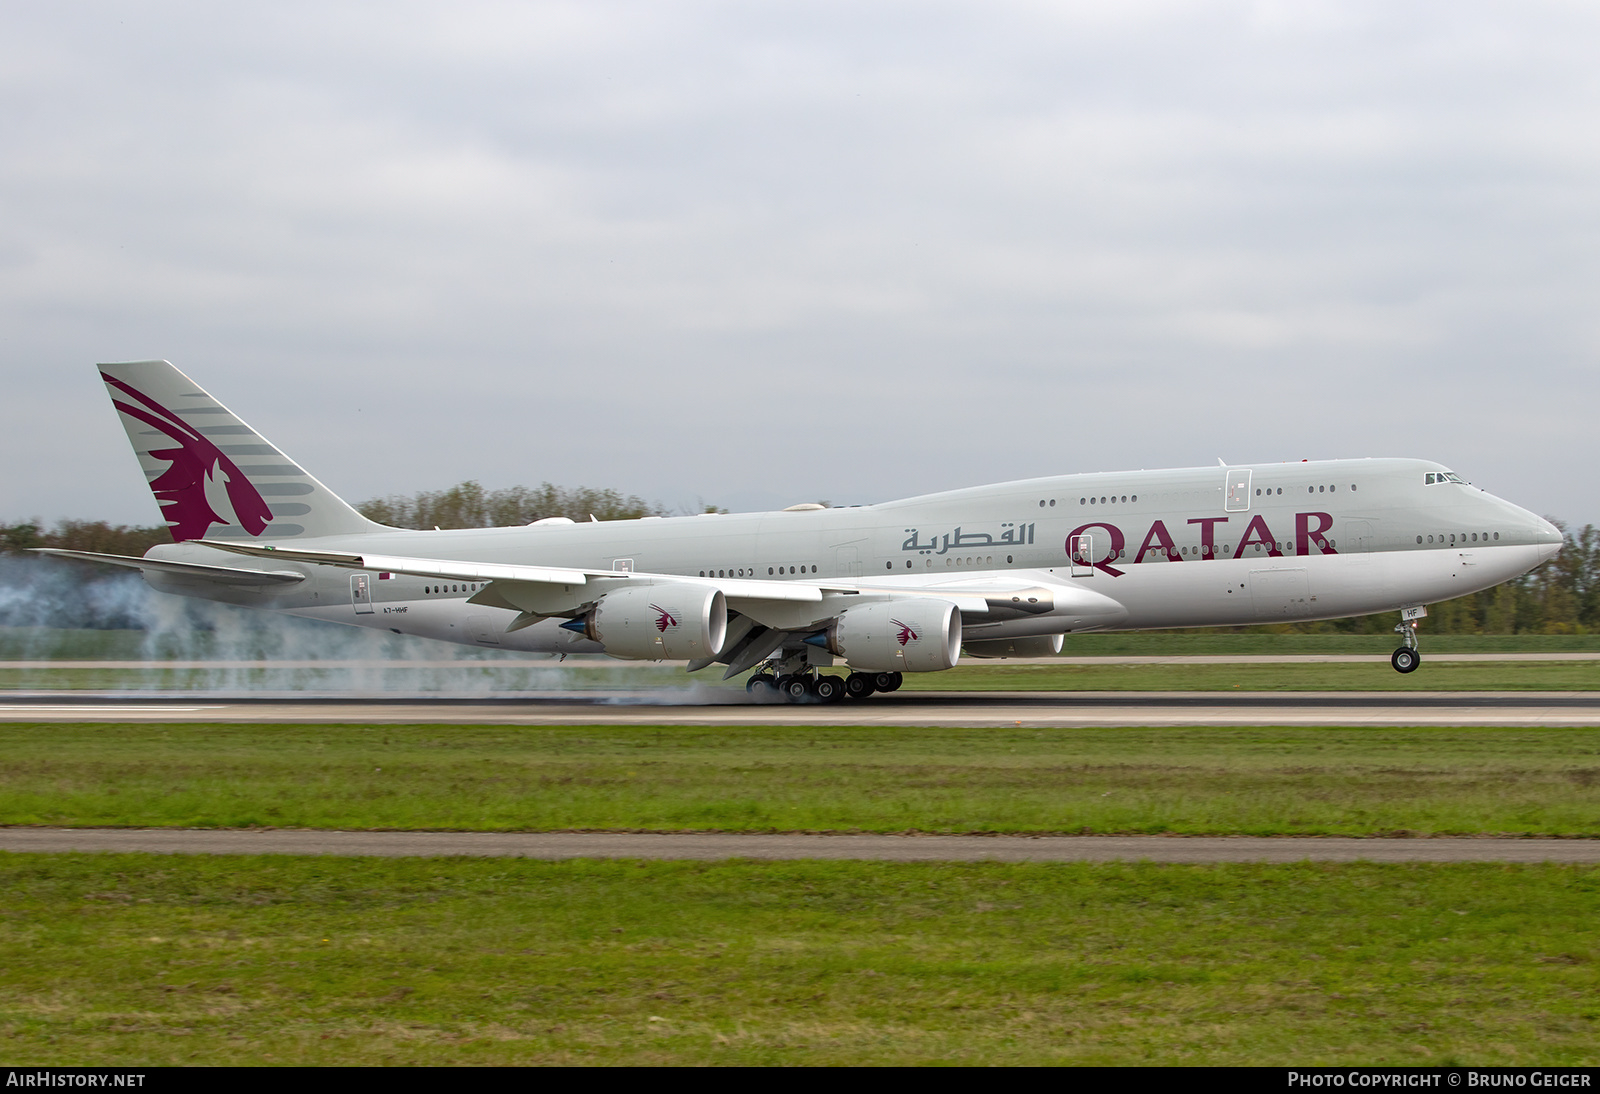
x: 810, y: 686
x: 1408, y: 656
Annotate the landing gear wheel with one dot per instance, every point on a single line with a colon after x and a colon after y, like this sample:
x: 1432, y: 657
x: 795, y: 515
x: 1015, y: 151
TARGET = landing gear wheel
x: 887, y: 681
x: 858, y: 685
x: 797, y: 689
x: 763, y: 683
x: 1407, y: 657
x: 829, y: 689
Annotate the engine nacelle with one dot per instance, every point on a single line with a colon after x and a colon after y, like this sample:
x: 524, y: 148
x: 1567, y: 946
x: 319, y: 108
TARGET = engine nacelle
x: 660, y: 622
x: 1044, y: 646
x: 910, y: 635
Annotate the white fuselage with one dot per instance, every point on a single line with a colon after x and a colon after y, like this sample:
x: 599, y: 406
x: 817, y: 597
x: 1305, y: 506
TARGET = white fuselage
x: 1118, y: 551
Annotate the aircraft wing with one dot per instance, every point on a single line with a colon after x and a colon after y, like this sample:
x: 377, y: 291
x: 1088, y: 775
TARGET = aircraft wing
x: 454, y: 570
x: 773, y: 611
x: 511, y: 581
x: 443, y: 569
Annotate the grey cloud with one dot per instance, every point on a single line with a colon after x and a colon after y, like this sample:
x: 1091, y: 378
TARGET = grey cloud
x: 765, y: 253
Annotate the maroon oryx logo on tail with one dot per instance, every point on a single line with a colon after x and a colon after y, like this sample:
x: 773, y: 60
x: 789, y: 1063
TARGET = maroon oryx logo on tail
x: 664, y: 618
x: 196, y: 464
x: 906, y: 633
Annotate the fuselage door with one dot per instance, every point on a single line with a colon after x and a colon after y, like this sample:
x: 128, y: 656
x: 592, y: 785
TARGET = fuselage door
x: 361, y: 593
x: 1238, y: 490
x: 487, y: 626
x: 1280, y: 592
x: 1081, y: 548
x: 1357, y: 536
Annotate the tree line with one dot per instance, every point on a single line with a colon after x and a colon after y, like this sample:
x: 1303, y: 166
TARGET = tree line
x: 465, y: 505
x: 82, y: 535
x: 1560, y: 597
x: 469, y: 505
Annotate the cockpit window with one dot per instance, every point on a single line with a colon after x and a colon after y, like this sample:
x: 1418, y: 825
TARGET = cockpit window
x: 1442, y: 476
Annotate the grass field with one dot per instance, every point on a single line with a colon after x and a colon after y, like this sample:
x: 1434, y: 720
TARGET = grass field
x: 1254, y: 781
x: 143, y: 959
x: 1376, y: 676
x: 1268, y: 641
x: 130, y: 960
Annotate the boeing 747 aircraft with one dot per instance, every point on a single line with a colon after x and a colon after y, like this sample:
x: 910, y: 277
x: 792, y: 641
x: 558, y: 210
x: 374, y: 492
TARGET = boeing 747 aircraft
x: 902, y: 586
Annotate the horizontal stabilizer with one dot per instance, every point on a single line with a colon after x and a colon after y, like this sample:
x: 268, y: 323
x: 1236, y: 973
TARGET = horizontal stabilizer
x: 228, y: 575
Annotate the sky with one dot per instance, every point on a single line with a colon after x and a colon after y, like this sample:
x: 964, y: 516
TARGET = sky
x: 755, y: 254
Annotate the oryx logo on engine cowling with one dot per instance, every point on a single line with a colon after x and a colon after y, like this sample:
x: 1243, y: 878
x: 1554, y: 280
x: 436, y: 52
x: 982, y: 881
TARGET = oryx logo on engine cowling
x: 906, y: 633
x: 664, y: 618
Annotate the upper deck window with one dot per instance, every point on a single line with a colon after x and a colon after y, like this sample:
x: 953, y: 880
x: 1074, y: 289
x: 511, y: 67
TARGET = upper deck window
x: 1433, y: 477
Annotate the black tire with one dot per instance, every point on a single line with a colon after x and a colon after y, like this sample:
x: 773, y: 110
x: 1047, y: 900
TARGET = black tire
x: 858, y: 685
x: 888, y: 681
x: 762, y: 682
x: 1405, y: 659
x: 829, y: 689
x: 797, y: 690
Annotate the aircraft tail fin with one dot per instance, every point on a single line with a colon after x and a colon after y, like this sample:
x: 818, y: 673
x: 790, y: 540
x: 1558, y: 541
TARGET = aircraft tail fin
x: 212, y: 475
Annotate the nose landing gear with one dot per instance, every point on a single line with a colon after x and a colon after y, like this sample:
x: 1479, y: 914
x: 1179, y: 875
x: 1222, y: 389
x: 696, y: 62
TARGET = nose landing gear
x: 1408, y: 656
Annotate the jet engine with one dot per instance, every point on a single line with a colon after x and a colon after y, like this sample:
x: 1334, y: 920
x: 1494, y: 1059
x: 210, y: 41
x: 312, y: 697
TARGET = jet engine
x: 658, y: 622
x: 910, y: 635
x: 1044, y: 646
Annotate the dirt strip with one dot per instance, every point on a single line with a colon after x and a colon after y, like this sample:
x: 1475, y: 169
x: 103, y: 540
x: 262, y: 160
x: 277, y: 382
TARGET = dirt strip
x: 714, y: 846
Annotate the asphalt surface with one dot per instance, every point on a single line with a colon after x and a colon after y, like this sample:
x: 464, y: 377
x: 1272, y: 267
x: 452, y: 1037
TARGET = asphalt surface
x: 722, y: 846
x: 608, y: 665
x: 699, y: 705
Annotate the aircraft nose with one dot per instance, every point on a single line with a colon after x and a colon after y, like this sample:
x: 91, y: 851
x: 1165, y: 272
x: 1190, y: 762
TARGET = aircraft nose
x: 1549, y: 539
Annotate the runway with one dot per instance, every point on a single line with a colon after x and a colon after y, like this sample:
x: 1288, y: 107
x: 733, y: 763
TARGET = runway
x: 701, y: 706
x: 724, y: 846
x: 603, y: 664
